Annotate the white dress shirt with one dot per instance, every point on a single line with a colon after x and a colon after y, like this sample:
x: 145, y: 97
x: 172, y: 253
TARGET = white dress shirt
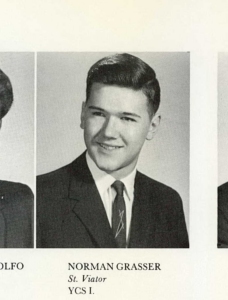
x: 103, y: 183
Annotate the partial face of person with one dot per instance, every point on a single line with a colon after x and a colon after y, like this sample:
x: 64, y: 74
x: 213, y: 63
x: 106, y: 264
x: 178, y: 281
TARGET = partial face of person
x: 116, y: 122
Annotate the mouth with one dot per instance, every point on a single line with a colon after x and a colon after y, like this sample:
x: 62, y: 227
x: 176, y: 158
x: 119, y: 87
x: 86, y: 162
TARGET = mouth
x: 109, y: 147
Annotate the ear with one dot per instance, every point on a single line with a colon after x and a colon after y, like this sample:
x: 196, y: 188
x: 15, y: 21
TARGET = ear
x: 82, y: 125
x: 154, y: 124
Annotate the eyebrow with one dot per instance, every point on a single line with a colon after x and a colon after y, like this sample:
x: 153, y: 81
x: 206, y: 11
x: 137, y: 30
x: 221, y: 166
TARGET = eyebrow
x: 95, y: 107
x: 124, y: 113
x: 131, y: 114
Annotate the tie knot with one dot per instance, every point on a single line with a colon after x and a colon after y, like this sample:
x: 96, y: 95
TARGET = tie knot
x: 119, y: 187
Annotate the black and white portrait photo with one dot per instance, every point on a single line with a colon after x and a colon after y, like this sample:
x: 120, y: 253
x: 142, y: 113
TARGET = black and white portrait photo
x: 222, y: 150
x: 17, y: 150
x: 113, y: 150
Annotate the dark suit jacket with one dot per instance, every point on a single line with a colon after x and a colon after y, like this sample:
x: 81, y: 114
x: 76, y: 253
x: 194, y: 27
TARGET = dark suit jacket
x: 16, y: 215
x: 223, y: 216
x: 70, y: 212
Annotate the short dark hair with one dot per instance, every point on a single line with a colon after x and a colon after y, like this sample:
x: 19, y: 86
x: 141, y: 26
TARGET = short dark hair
x: 126, y: 70
x: 6, y: 94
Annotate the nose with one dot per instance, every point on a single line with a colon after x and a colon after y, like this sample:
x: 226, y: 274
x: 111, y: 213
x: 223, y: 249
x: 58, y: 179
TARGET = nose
x: 110, y: 128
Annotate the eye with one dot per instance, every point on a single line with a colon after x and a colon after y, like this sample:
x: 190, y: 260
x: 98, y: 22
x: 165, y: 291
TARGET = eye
x: 127, y: 119
x: 98, y: 113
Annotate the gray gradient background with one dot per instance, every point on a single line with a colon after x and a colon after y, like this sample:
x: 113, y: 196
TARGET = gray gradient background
x: 222, y: 118
x: 61, y: 82
x: 17, y: 132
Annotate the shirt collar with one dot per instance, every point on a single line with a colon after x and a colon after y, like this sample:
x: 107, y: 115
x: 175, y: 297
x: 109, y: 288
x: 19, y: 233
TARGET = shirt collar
x: 104, y: 180
x: 129, y: 182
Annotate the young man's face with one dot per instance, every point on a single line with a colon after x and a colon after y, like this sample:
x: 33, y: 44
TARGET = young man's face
x: 116, y: 122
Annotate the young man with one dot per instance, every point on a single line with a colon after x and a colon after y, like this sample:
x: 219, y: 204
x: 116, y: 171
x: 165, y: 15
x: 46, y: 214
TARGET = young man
x: 100, y: 199
x: 16, y: 199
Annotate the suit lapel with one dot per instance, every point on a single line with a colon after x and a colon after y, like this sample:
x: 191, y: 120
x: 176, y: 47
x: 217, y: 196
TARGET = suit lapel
x: 88, y: 205
x: 143, y: 216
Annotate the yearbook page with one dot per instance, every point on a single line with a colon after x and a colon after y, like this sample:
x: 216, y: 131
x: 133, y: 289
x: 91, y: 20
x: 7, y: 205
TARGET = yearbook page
x: 113, y: 136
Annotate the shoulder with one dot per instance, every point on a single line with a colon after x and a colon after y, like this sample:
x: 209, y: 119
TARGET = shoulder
x: 158, y: 190
x: 223, y: 195
x: 54, y: 176
x: 223, y: 188
x: 53, y: 183
x: 154, y: 185
x: 58, y: 181
x: 14, y: 187
x: 61, y: 176
x: 16, y: 192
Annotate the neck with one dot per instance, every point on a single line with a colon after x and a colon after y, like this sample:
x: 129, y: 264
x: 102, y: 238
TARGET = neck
x: 122, y: 173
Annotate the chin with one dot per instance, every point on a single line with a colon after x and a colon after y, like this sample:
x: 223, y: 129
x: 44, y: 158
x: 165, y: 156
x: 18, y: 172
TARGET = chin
x: 106, y: 165
x: 107, y: 168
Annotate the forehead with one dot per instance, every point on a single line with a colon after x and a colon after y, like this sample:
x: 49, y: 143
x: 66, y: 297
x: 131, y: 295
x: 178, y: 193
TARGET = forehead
x: 119, y: 98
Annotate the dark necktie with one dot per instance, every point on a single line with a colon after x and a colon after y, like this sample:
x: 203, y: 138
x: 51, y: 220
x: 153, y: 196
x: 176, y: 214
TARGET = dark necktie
x: 119, y: 215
